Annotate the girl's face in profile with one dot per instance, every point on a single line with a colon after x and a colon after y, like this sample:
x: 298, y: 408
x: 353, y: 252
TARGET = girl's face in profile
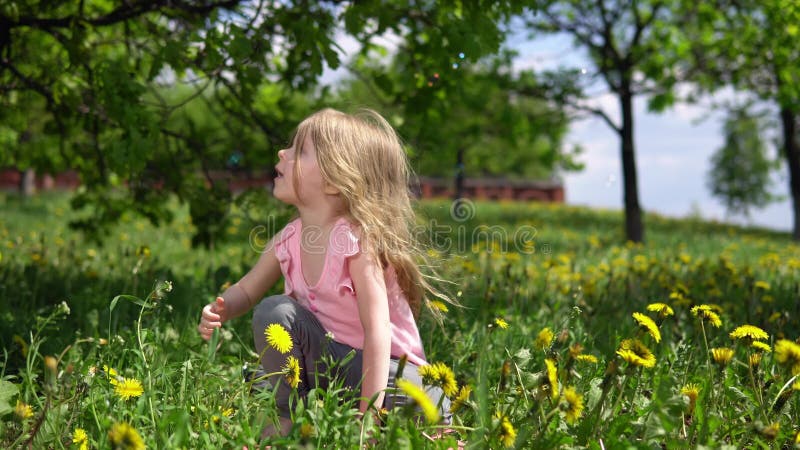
x: 309, y: 183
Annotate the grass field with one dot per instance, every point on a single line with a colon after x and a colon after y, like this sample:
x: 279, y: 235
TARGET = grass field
x: 566, y: 337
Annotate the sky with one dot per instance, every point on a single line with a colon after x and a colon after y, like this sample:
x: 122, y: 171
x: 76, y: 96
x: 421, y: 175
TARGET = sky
x: 673, y: 148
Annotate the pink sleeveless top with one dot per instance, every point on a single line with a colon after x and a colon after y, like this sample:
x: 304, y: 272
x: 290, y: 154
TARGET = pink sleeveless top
x: 333, y: 298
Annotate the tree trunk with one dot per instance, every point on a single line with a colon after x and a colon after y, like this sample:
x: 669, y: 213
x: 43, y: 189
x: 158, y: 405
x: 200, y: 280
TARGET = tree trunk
x: 459, y: 181
x: 789, y: 119
x: 634, y: 230
x: 27, y: 183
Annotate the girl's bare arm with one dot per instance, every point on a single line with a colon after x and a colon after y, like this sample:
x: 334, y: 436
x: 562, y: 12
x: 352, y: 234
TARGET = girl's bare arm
x: 373, y: 310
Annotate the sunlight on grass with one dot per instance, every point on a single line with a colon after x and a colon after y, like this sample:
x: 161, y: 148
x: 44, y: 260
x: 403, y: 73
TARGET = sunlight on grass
x: 567, y: 337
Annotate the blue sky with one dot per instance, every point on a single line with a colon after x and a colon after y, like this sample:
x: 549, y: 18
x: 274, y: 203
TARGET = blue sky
x: 673, y: 149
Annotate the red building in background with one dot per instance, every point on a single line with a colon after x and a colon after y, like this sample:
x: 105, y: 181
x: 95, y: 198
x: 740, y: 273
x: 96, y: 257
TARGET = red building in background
x: 428, y: 187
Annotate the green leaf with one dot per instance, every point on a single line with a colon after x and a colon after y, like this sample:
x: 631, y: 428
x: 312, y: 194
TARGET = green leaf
x: 7, y: 391
x: 130, y: 298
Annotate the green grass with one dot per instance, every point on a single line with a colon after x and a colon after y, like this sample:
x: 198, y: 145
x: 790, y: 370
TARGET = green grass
x: 535, y: 266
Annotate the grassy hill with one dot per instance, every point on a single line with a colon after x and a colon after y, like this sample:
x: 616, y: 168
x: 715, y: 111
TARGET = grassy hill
x: 546, y: 298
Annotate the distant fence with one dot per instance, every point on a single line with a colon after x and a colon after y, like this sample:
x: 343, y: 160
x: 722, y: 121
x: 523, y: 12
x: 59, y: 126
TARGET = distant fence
x: 428, y: 187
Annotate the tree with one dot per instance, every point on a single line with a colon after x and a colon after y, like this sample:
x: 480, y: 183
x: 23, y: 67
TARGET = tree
x: 113, y: 80
x: 741, y: 169
x: 625, y: 41
x: 481, y: 126
x: 752, y: 46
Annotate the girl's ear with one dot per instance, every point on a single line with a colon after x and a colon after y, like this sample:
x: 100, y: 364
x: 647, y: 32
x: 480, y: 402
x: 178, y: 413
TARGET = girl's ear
x: 329, y: 189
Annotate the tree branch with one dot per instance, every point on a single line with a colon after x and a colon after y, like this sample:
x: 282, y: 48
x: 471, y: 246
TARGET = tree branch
x: 127, y: 11
x: 30, y: 82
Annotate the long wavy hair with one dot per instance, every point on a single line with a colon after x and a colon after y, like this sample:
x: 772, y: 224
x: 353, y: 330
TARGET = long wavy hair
x: 362, y: 156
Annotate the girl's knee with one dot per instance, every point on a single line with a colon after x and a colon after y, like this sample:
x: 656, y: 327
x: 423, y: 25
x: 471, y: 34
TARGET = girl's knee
x: 274, y: 309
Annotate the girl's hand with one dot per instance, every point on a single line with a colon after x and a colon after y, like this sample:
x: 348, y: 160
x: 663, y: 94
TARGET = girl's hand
x: 212, y: 318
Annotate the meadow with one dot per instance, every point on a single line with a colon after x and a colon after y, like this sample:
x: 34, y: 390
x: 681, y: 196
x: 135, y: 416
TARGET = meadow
x: 564, y: 335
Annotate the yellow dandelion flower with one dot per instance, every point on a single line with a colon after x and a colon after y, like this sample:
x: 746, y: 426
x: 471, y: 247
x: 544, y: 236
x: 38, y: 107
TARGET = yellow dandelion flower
x: 722, y: 355
x: 544, y: 339
x: 573, y: 405
x: 23, y: 410
x: 749, y: 332
x: 761, y: 346
x: 80, y: 438
x: 124, y: 437
x: 507, y: 432
x: 648, y: 325
x: 552, y: 377
x: 500, y: 322
x: 128, y: 388
x: 438, y: 305
x: 754, y: 359
x: 787, y: 353
x: 306, y: 430
x: 771, y: 432
x: 429, y: 374
x: 438, y: 374
x: 692, y: 391
x: 113, y: 376
x: 278, y: 338
x: 461, y: 399
x: 707, y: 313
x: 291, y: 372
x: 662, y: 309
x: 448, y: 381
x: 23, y: 346
x: 636, y: 353
x: 420, y: 398
x: 762, y: 285
x: 797, y: 438
x: 587, y: 358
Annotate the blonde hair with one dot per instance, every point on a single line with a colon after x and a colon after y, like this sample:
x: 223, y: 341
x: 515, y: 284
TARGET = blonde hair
x: 363, y: 158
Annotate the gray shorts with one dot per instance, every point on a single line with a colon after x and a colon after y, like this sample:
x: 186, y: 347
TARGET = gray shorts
x: 310, y: 343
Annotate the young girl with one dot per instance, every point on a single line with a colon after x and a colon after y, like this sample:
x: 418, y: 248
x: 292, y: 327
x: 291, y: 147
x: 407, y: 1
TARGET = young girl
x: 348, y: 263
